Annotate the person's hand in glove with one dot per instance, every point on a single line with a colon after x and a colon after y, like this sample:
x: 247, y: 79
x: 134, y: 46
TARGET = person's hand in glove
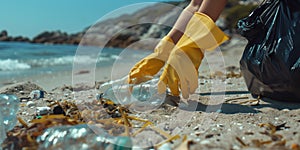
x: 151, y: 64
x: 182, y: 66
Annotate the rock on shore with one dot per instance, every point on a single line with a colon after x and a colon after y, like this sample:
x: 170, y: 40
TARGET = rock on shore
x: 5, y: 37
x: 57, y: 37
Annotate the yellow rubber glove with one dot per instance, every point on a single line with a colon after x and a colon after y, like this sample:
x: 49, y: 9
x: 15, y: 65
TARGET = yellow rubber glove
x: 151, y: 64
x: 182, y: 66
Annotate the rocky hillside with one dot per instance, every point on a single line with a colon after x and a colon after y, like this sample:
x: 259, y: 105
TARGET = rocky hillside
x: 152, y: 22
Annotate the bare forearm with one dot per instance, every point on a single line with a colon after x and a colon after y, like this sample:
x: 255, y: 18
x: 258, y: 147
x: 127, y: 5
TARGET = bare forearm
x: 212, y: 8
x: 183, y: 20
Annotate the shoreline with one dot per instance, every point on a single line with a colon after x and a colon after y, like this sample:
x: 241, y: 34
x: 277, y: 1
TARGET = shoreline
x: 54, y: 80
x: 230, y: 55
x: 49, y: 81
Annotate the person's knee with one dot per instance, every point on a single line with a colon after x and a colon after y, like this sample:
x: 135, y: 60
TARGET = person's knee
x: 194, y: 5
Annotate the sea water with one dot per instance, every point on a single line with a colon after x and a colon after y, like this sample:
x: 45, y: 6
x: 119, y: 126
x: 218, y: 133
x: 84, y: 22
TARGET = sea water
x: 19, y: 60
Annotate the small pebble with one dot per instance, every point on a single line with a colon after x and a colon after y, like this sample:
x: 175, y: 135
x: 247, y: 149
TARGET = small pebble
x: 239, y: 124
x: 22, y: 105
x: 167, y: 116
x: 197, y: 140
x: 209, y: 136
x: 24, y: 100
x: 204, y: 142
x: 196, y: 128
x: 285, y: 110
x: 249, y: 133
x: 198, y: 133
x: 42, y: 110
x: 47, y: 100
x: 235, y: 147
x: 220, y: 125
x: 228, y: 83
x: 30, y: 104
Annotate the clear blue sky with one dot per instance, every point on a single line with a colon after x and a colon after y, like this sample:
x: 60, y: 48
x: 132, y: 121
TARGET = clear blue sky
x: 31, y: 17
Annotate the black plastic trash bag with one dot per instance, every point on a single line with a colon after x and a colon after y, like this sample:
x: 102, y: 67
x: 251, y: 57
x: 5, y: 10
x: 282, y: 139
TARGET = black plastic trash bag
x: 271, y: 61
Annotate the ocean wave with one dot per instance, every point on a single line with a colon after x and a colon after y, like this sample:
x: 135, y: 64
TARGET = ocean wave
x: 65, y: 60
x: 14, y: 64
x: 10, y: 64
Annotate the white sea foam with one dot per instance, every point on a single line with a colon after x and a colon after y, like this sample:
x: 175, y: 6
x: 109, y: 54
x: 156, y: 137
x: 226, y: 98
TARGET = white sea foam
x: 10, y: 64
x: 13, y: 64
x: 65, y: 60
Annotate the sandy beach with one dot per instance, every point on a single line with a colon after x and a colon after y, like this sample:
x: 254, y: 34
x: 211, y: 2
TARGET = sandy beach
x: 221, y: 114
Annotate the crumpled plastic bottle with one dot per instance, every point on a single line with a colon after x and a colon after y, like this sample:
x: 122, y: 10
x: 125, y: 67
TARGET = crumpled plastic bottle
x: 81, y: 137
x: 2, y: 130
x: 141, y: 97
x: 9, y: 106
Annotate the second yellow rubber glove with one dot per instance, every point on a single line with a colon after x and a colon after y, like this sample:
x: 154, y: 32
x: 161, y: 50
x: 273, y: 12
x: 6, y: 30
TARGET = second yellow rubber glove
x: 151, y: 64
x: 182, y: 66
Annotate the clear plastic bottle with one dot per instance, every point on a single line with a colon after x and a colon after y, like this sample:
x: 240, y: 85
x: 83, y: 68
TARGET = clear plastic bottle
x: 9, y: 106
x: 141, y: 97
x: 2, y: 130
x: 81, y: 136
